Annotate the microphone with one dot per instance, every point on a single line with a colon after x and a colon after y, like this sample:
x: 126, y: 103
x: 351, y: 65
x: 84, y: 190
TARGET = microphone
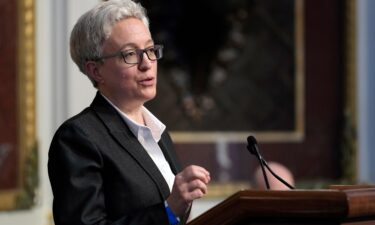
x: 252, y: 146
x: 253, y: 149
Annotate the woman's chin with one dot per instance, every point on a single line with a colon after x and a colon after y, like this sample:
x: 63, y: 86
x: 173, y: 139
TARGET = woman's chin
x: 150, y: 95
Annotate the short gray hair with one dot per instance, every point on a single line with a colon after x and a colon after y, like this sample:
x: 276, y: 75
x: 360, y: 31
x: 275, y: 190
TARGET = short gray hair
x: 95, y: 26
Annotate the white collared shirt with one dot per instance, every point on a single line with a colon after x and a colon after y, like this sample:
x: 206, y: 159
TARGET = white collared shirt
x: 149, y: 136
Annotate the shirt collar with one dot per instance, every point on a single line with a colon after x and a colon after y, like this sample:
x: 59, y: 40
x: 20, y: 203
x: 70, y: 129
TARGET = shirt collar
x: 154, y: 124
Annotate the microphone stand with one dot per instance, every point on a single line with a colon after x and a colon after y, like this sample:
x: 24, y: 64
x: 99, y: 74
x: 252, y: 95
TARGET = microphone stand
x: 261, y: 160
x: 275, y: 175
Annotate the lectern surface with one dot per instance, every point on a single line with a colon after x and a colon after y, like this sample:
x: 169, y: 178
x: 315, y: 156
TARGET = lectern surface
x: 339, y: 206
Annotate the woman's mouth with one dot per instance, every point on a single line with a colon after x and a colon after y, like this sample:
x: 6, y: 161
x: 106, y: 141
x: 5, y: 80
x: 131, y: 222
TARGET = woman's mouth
x: 147, y: 81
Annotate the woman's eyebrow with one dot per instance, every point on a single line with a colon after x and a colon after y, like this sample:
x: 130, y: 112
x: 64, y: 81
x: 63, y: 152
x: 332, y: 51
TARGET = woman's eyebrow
x: 133, y: 45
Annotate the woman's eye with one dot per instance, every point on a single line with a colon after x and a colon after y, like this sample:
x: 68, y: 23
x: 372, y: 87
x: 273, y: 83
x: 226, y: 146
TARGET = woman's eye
x: 129, y: 54
x: 151, y: 51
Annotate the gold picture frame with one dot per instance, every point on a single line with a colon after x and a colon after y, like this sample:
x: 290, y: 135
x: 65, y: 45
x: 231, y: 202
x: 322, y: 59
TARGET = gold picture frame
x: 23, y: 196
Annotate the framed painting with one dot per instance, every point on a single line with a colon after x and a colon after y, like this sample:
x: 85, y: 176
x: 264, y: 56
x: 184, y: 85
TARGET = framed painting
x: 18, y: 149
x: 232, y: 69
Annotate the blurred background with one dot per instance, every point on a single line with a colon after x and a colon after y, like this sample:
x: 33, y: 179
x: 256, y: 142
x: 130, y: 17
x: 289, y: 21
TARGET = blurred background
x: 296, y: 74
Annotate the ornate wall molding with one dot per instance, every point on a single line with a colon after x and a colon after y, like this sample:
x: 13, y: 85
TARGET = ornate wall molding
x: 349, y: 133
x: 23, y: 195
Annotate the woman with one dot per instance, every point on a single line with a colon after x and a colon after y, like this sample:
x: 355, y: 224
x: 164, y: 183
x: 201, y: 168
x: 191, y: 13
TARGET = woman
x: 114, y: 163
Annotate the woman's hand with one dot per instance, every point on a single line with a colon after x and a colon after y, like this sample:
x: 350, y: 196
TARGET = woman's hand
x: 189, y: 184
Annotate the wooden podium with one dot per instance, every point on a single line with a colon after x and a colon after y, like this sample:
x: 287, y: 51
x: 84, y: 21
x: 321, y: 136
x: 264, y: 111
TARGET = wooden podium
x: 349, y: 205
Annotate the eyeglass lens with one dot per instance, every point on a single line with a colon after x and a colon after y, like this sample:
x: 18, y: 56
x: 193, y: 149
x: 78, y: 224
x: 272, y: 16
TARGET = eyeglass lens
x: 135, y: 56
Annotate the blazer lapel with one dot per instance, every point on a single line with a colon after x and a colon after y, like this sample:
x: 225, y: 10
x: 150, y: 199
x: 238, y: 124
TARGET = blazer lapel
x: 122, y: 134
x: 165, y: 144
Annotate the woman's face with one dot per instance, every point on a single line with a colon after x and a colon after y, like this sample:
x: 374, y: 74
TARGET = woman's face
x: 122, y: 83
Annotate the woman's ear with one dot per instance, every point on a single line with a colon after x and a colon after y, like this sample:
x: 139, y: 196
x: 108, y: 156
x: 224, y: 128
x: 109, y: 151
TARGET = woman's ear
x: 92, y: 70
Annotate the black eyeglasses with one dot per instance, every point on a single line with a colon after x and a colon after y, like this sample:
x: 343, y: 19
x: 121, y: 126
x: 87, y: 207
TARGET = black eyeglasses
x: 135, y: 56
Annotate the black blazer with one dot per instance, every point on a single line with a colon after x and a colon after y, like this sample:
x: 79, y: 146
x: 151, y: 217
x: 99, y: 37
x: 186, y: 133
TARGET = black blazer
x: 101, y: 174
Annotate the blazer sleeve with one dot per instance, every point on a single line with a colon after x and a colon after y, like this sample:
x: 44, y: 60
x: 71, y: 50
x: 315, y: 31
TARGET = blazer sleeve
x: 74, y: 168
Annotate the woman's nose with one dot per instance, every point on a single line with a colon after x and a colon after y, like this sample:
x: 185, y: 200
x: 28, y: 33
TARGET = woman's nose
x: 145, y: 62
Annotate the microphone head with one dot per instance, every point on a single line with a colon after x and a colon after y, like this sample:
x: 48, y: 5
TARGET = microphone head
x: 251, y: 144
x: 251, y: 140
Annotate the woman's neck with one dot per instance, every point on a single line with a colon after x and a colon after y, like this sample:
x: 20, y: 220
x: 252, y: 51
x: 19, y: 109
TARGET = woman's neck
x: 135, y: 114
x: 133, y: 109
